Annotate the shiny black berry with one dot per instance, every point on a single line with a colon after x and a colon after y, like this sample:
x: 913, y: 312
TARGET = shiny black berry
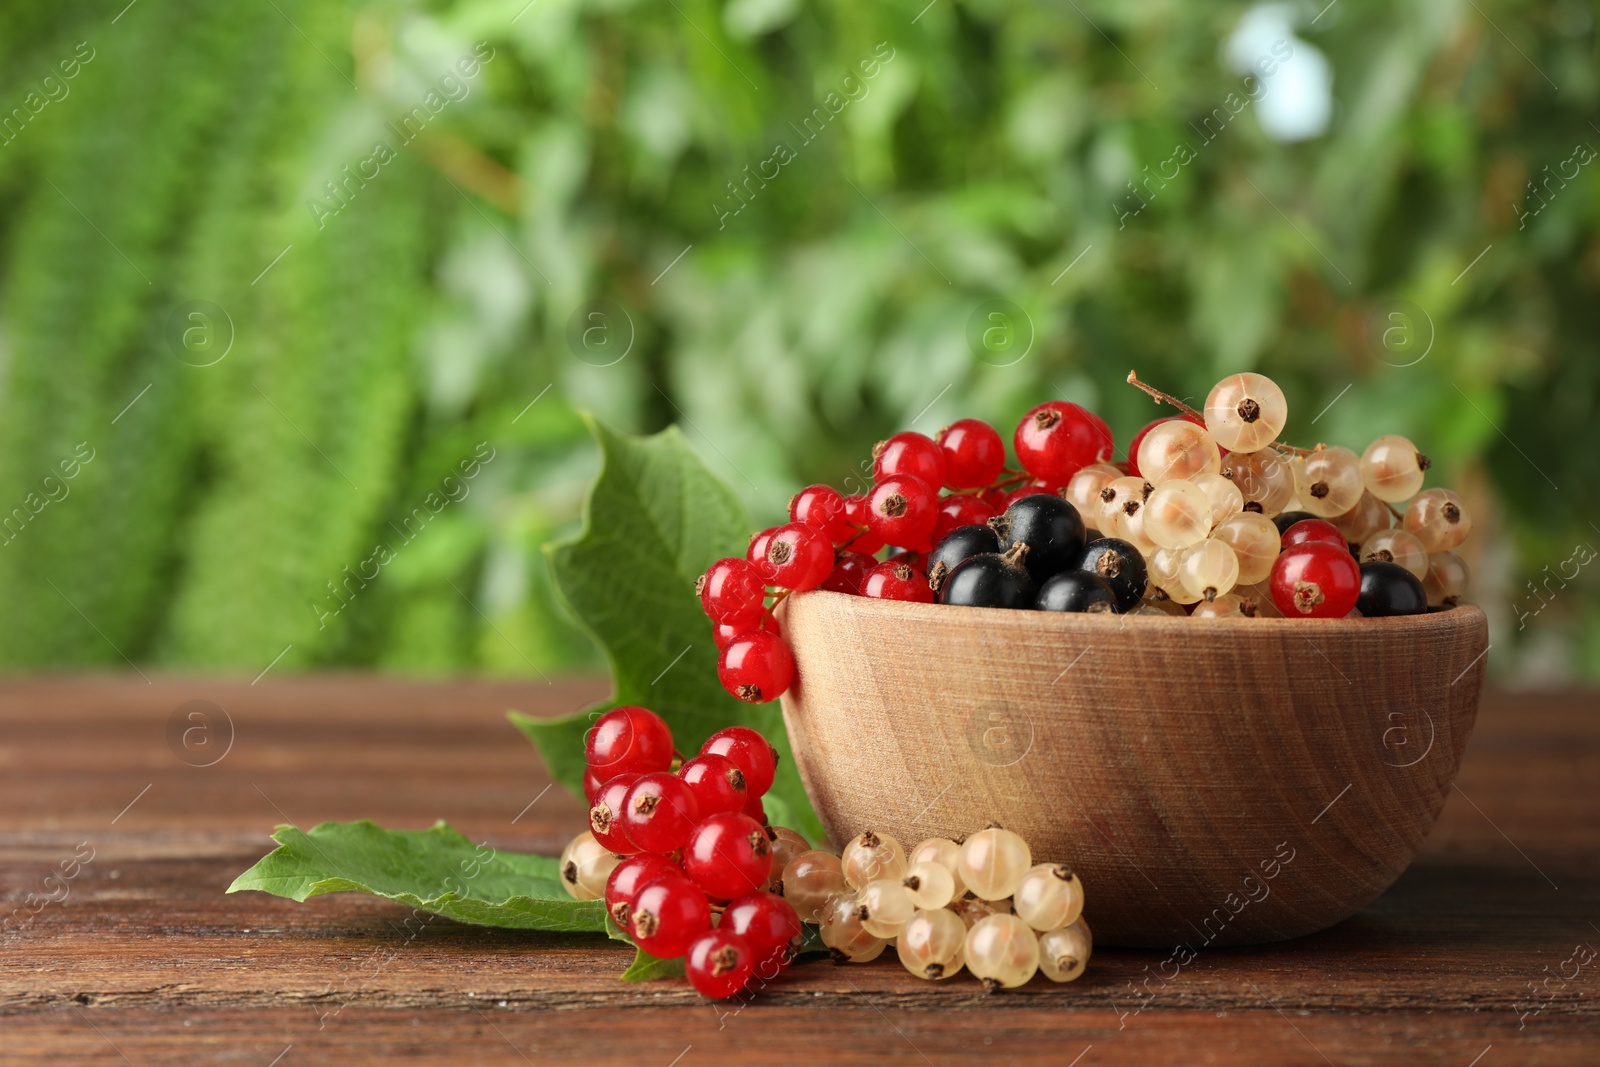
x: 1389, y: 589
x: 1289, y: 518
x: 1120, y: 565
x: 991, y: 581
x: 1077, y: 591
x: 958, y: 546
x: 1050, y: 527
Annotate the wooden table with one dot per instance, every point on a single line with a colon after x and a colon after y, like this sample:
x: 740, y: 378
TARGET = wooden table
x: 1480, y: 955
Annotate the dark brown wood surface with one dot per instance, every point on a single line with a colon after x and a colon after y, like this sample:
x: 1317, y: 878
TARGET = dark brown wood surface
x: 1480, y: 955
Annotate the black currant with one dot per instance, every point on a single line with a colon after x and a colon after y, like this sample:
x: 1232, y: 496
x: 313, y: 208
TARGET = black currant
x: 1077, y: 591
x: 1389, y: 589
x: 991, y: 581
x: 958, y: 546
x: 1050, y: 527
x: 1091, y: 534
x: 1120, y: 565
x: 1289, y: 518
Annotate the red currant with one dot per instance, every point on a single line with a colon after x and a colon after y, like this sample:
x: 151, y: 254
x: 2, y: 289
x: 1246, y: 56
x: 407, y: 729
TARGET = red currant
x: 750, y: 752
x: 1313, y: 530
x: 848, y: 571
x: 1138, y: 438
x: 659, y: 811
x: 730, y: 588
x: 724, y: 632
x: 974, y: 455
x: 902, y: 510
x: 665, y: 916
x: 822, y: 508
x: 917, y: 561
x: 719, y: 964
x: 1316, y: 580
x: 770, y: 925
x: 628, y: 740
x: 756, y: 667
x: 717, y: 782
x: 793, y: 556
x: 591, y: 784
x: 755, y: 809
x: 961, y: 510
x: 1057, y: 439
x: 605, y: 815
x: 728, y: 856
x: 632, y: 875
x: 857, y: 509
x: 909, y: 454
x: 896, y: 581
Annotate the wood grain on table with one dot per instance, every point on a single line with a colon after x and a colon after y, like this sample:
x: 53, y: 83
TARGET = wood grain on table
x: 1482, y: 954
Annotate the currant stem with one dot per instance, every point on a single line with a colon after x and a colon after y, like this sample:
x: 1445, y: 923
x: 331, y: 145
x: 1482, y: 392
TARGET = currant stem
x: 1167, y: 398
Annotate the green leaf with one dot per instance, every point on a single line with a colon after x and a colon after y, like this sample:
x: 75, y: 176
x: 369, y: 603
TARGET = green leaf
x: 646, y: 968
x: 436, y: 870
x: 655, y: 519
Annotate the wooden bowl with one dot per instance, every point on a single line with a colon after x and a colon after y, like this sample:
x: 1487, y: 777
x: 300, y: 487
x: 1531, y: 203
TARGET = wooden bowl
x: 1215, y: 782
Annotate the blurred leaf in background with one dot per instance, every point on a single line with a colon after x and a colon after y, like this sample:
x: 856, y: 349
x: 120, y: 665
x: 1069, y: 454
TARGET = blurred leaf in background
x: 283, y: 267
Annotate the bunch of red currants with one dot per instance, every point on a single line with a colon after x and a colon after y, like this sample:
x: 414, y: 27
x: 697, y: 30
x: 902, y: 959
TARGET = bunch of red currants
x: 669, y: 850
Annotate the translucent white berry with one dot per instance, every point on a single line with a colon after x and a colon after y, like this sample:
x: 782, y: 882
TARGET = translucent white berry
x: 1064, y: 953
x: 993, y: 861
x: 1396, y: 545
x: 1246, y: 412
x: 931, y: 885
x: 810, y: 881
x: 1178, y: 514
x: 1083, y: 492
x: 1391, y: 468
x: 933, y: 944
x: 1328, y: 481
x: 1446, y: 580
x: 585, y: 865
x: 1209, y: 569
x: 1265, y: 480
x: 1003, y: 951
x: 1439, y: 519
x: 841, y: 931
x: 885, y: 907
x: 1176, y: 449
x: 946, y: 853
x: 970, y: 908
x: 1255, y: 542
x: 1049, y: 897
x: 870, y: 856
x: 1225, y: 497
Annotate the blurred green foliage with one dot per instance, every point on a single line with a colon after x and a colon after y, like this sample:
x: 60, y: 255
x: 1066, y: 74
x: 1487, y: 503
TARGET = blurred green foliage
x: 796, y: 213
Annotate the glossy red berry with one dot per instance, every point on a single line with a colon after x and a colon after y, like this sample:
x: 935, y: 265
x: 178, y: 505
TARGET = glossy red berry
x: 909, y: 454
x: 1313, y: 530
x: 848, y: 571
x: 628, y: 740
x: 730, y: 588
x: 756, y: 810
x: 659, y: 811
x: 896, y: 581
x: 792, y: 556
x: 665, y: 916
x: 961, y: 510
x: 771, y: 926
x: 728, y: 856
x: 717, y: 782
x: 822, y: 508
x: 756, y: 667
x: 605, y: 815
x: 1057, y: 439
x: 857, y: 509
x: 719, y: 964
x: 974, y: 454
x: 591, y: 784
x: 750, y: 752
x: 902, y: 510
x: 724, y: 632
x: 632, y: 875
x: 1316, y: 580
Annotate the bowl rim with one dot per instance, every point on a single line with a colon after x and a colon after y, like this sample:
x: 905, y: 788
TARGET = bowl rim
x: 1461, y: 616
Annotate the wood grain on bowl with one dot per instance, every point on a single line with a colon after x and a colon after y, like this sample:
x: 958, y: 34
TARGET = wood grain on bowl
x: 1215, y: 782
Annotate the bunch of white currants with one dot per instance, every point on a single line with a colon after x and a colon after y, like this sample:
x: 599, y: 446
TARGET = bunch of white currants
x: 982, y: 905
x: 1202, y: 491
